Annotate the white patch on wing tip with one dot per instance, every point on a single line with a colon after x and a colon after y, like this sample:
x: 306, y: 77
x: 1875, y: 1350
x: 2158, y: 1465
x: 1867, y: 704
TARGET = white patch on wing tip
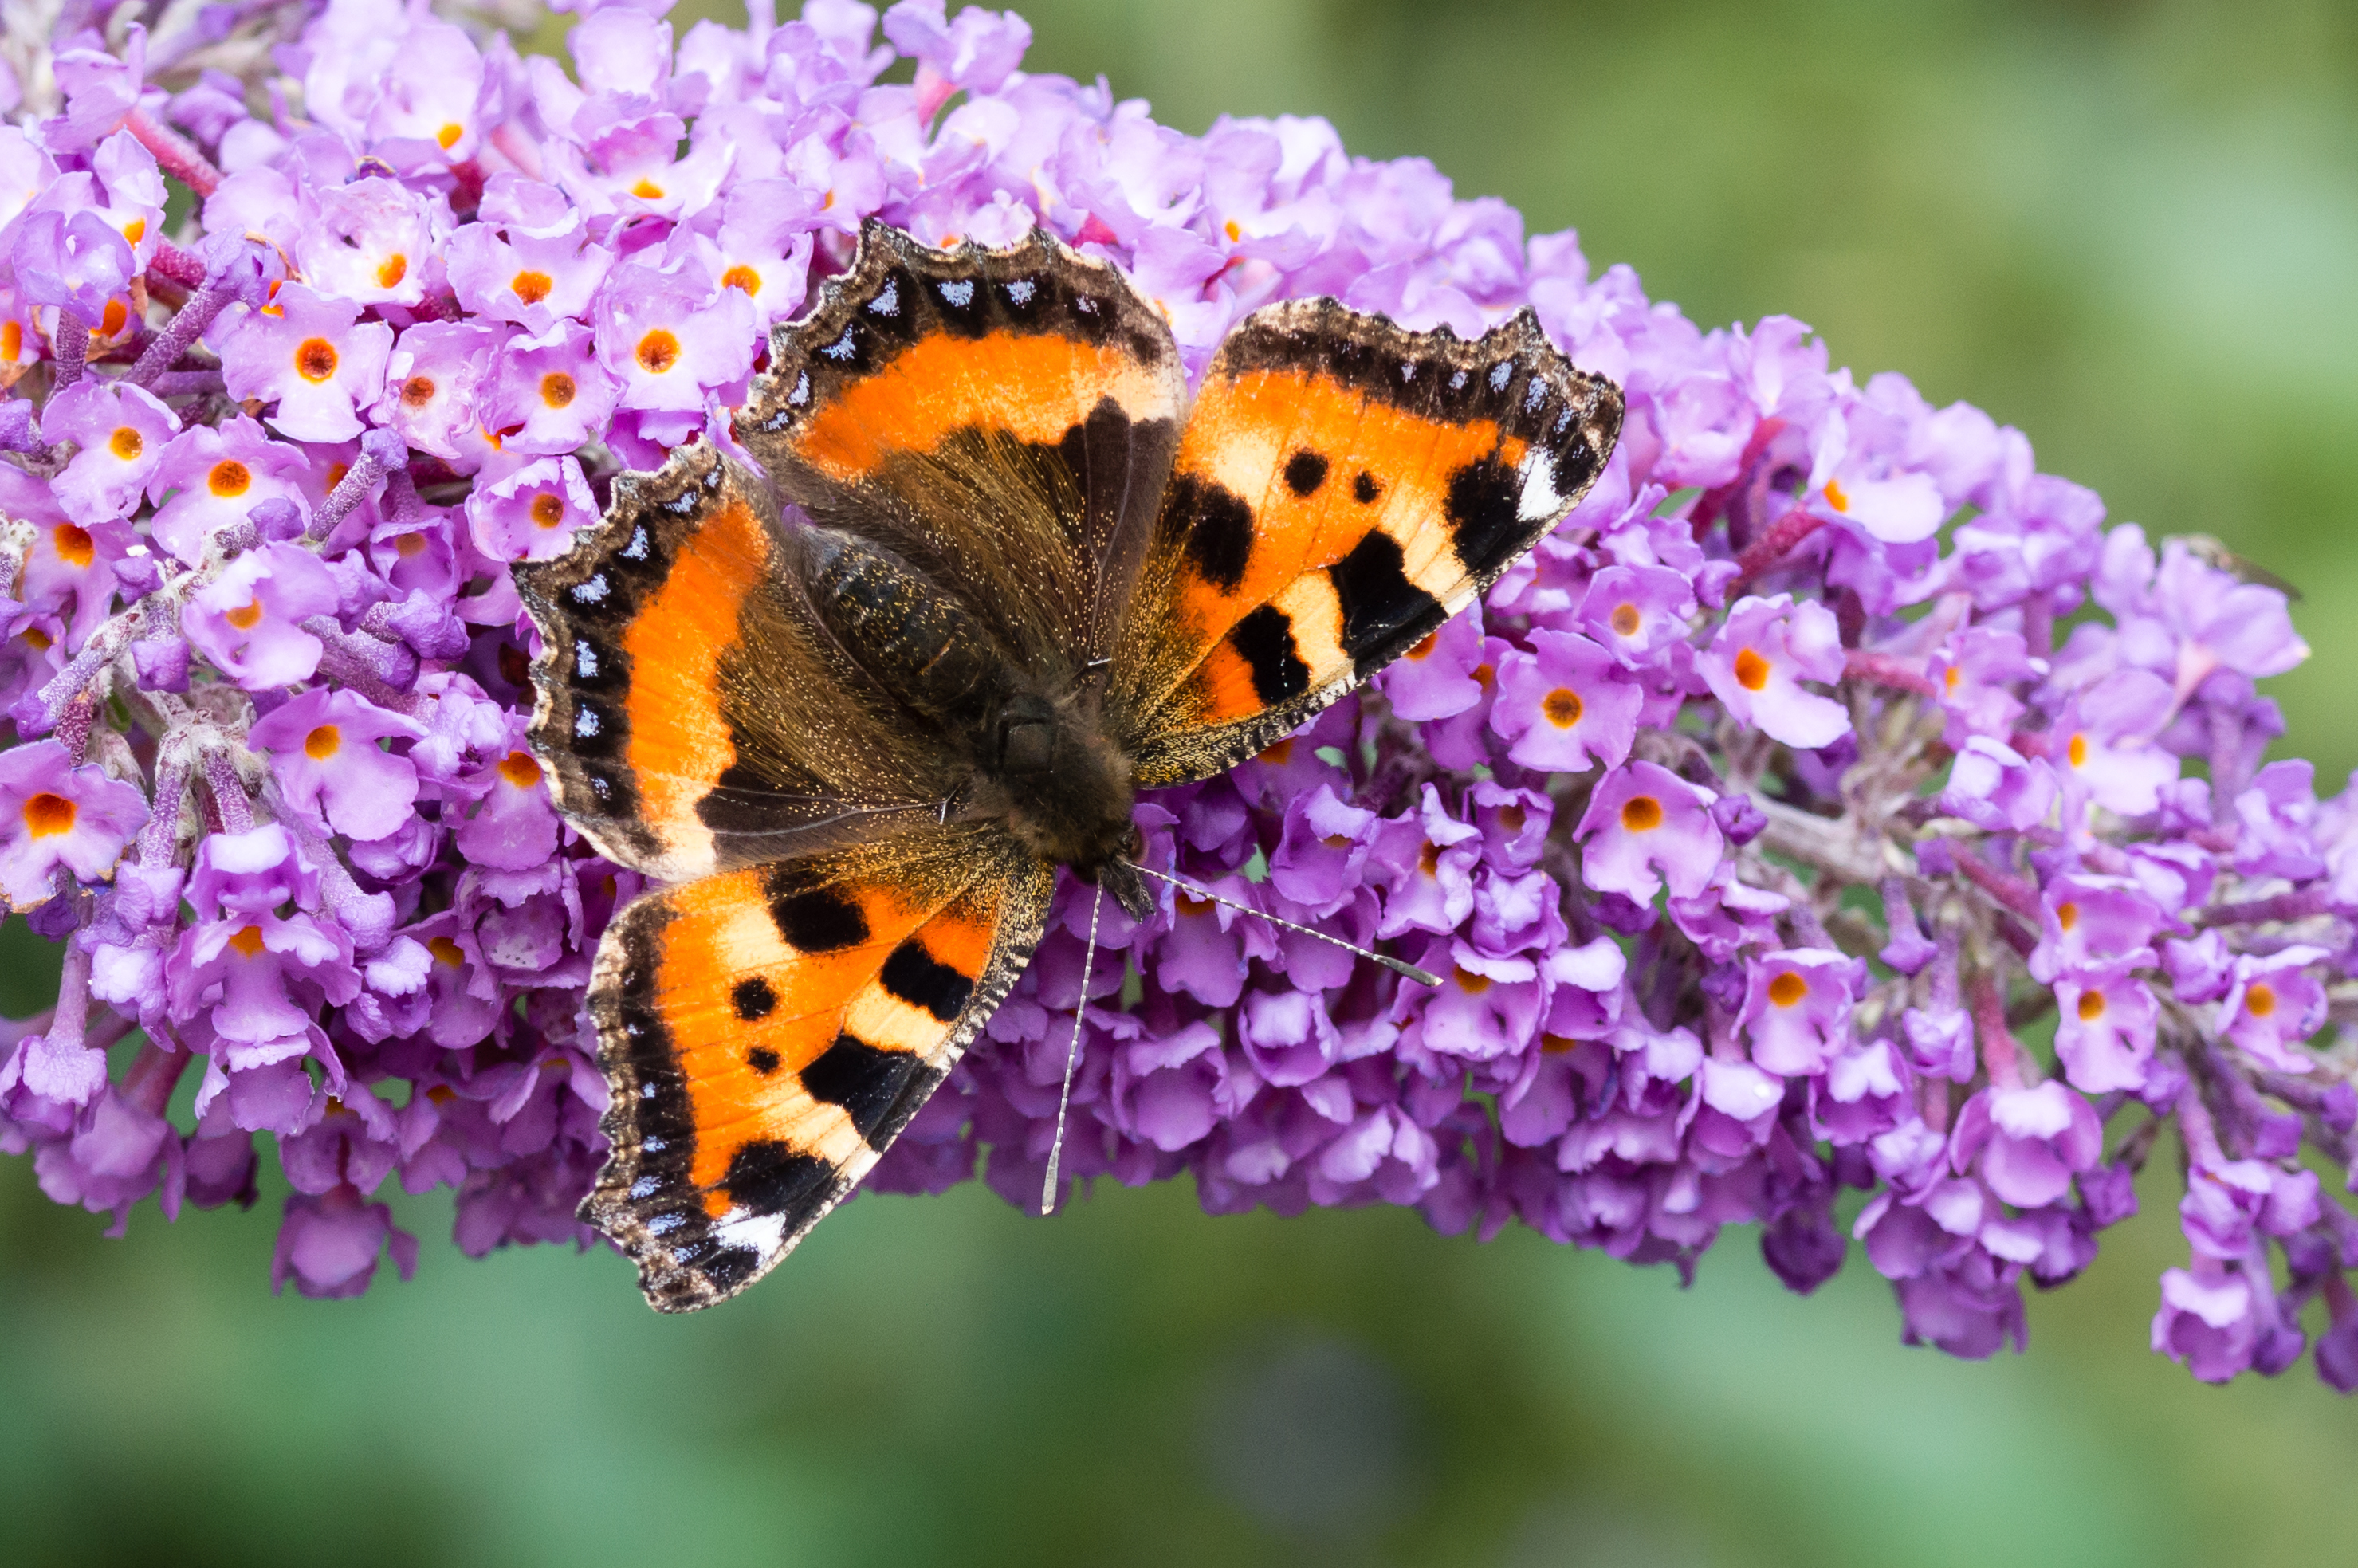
x: 764, y: 1233
x: 1540, y: 497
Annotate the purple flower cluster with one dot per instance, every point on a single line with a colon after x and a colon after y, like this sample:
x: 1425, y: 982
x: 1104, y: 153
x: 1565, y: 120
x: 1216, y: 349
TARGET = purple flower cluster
x: 1764, y: 825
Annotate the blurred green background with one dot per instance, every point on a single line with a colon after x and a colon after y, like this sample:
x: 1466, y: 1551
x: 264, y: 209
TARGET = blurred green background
x: 2127, y: 228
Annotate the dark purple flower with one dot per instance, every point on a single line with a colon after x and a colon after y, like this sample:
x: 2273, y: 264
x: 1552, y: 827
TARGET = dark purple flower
x: 330, y: 1244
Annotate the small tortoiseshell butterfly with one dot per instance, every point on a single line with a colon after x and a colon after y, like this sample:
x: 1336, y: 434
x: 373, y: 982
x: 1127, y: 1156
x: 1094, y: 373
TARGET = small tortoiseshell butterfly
x: 1027, y: 581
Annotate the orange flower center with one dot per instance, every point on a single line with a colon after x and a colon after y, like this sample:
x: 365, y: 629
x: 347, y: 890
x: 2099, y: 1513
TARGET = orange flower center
x: 1626, y: 620
x: 417, y: 392
x: 37, y: 639
x: 1641, y: 813
x: 446, y: 951
x: 647, y: 190
x: 46, y: 815
x: 2261, y: 999
x: 1751, y: 670
x: 519, y: 769
x: 74, y: 545
x: 1835, y: 498
x: 12, y: 340
x: 2078, y: 750
x: 1190, y: 904
x: 1788, y: 989
x: 1428, y: 859
x: 246, y: 616
x: 136, y: 230
x: 1511, y: 818
x: 127, y: 443
x: 392, y: 270
x: 1471, y: 983
x: 229, y: 478
x: 1277, y: 756
x: 111, y: 321
x: 548, y: 509
x: 1952, y: 677
x: 247, y: 940
x: 409, y: 544
x: 658, y: 351
x: 448, y: 137
x: 557, y: 389
x: 314, y: 358
x: 2067, y: 915
x: 323, y: 742
x: 1562, y: 707
x: 741, y: 276
x: 2091, y: 1006
x: 1425, y: 647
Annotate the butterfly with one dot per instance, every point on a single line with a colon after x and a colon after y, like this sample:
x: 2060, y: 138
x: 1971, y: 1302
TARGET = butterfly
x: 997, y: 575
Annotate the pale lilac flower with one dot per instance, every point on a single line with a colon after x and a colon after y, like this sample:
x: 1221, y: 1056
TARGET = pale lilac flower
x: 1565, y: 705
x: 1758, y: 659
x: 312, y: 356
x: 1645, y: 827
x: 249, y: 620
x: 123, y: 432
x: 323, y: 747
x: 2105, y: 1029
x: 56, y: 816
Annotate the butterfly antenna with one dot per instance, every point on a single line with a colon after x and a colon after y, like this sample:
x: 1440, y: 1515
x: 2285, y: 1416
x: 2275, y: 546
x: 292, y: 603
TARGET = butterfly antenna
x: 1397, y: 966
x: 1072, y: 1059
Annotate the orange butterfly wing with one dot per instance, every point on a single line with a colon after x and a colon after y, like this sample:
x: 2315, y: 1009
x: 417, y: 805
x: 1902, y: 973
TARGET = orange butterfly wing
x: 1343, y: 486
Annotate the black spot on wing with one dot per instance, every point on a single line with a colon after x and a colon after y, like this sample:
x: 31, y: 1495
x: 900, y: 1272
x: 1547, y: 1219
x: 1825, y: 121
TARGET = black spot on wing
x: 813, y: 919
x: 1483, y: 527
x: 1304, y: 472
x: 1382, y: 611
x: 771, y: 1177
x: 762, y: 1060
x: 1365, y: 488
x: 1575, y: 463
x: 919, y: 978
x: 755, y: 998
x: 861, y: 1078
x: 1218, y: 528
x: 1264, y: 639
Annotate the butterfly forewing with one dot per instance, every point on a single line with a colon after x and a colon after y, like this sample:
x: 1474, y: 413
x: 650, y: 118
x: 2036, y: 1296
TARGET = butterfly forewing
x: 693, y: 714
x: 1343, y: 486
x: 1004, y: 420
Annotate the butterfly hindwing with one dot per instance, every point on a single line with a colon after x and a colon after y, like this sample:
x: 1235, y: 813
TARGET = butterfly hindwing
x: 693, y: 713
x: 1004, y: 420
x: 1343, y: 486
x: 768, y: 1032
